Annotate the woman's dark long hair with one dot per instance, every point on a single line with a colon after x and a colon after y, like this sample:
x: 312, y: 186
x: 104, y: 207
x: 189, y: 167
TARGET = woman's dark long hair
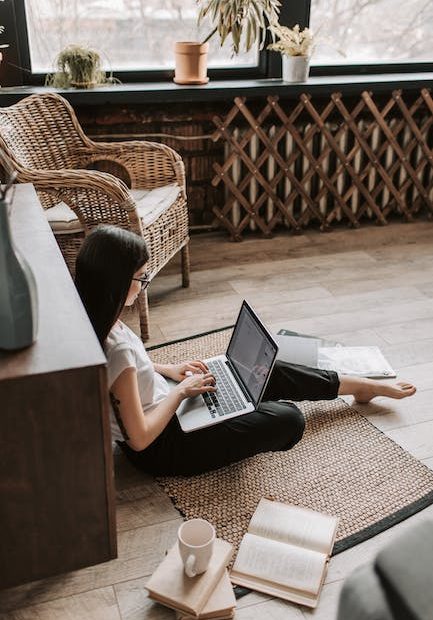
x: 105, y: 266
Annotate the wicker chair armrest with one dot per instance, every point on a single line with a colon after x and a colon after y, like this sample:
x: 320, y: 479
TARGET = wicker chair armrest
x: 92, y: 179
x: 149, y: 164
x: 128, y: 145
x: 96, y: 197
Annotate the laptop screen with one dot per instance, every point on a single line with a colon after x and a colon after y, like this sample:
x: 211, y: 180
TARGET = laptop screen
x: 252, y: 352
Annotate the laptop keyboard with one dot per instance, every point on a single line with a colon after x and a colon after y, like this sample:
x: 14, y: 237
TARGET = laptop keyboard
x: 226, y: 400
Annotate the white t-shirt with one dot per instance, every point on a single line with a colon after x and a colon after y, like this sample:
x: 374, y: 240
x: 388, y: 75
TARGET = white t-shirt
x: 124, y: 349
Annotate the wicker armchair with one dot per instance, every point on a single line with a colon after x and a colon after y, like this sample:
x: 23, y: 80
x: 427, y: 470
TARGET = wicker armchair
x: 43, y: 141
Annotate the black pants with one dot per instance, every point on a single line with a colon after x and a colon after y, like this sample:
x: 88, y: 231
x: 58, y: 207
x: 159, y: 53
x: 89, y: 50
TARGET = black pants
x: 273, y: 427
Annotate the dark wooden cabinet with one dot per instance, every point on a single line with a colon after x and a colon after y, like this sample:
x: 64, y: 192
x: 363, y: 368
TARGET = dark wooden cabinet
x: 56, y: 473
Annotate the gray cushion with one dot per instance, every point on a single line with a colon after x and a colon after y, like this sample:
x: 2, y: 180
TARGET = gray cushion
x: 405, y: 568
x: 363, y: 598
x: 398, y: 585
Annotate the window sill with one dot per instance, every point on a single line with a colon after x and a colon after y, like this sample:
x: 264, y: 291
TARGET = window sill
x: 216, y: 90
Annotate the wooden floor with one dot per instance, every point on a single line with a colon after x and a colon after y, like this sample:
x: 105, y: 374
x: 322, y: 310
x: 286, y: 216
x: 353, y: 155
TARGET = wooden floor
x: 367, y: 286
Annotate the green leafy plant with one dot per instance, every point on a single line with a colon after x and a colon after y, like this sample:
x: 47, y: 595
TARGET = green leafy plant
x: 78, y: 67
x: 237, y: 17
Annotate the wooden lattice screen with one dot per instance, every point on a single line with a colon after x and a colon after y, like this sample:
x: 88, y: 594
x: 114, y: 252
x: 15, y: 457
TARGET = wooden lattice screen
x: 297, y: 163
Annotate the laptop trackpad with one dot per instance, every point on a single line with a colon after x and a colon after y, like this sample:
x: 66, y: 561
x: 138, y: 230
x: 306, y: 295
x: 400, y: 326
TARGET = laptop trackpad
x: 193, y: 403
x: 297, y: 350
x: 191, y: 411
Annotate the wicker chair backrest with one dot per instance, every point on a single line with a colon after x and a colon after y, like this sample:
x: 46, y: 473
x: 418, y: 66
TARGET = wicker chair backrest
x: 41, y: 132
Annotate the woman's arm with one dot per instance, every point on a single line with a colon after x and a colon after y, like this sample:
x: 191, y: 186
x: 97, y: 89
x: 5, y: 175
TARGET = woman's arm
x: 142, y: 429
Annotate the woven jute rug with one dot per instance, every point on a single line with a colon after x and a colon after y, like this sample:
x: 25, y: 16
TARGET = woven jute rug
x: 343, y: 466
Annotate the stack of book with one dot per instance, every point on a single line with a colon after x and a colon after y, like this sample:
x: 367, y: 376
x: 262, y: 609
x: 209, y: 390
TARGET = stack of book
x: 206, y: 596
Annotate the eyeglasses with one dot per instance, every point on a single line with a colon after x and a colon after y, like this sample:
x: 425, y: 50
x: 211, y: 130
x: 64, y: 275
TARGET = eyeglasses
x: 144, y: 281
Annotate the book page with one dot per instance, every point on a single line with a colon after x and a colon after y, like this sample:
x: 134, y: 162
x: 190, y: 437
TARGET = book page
x: 294, y: 525
x: 283, y: 564
x: 268, y: 587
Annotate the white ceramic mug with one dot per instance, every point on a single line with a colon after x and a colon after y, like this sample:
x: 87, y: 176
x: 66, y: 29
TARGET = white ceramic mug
x: 196, y: 540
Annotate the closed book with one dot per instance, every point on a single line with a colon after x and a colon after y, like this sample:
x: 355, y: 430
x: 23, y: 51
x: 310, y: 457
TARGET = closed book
x: 221, y: 604
x: 170, y: 585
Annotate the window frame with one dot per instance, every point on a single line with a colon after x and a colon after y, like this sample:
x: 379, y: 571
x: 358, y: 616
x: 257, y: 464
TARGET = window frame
x: 370, y: 68
x: 269, y: 64
x: 16, y: 67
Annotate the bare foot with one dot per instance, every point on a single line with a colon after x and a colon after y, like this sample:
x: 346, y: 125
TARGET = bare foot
x: 371, y: 388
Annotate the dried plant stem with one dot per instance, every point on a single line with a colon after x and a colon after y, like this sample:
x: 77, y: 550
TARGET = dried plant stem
x: 209, y: 36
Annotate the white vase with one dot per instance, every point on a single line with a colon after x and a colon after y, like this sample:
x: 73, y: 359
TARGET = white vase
x: 295, y: 68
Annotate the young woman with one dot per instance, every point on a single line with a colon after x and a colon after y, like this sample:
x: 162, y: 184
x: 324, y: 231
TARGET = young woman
x: 110, y: 273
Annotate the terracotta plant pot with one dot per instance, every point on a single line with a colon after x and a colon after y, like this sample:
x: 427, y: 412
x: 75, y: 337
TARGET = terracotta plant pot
x: 191, y: 63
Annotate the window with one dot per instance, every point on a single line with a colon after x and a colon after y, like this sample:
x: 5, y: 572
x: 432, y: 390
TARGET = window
x: 373, y: 31
x: 136, y: 37
x: 131, y: 35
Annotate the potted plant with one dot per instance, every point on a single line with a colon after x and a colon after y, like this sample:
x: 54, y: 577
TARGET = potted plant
x: 78, y: 67
x: 228, y: 17
x: 190, y: 62
x: 296, y: 47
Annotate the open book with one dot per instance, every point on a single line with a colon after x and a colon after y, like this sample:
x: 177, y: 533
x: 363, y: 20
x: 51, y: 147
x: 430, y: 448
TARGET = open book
x: 170, y: 585
x: 285, y: 552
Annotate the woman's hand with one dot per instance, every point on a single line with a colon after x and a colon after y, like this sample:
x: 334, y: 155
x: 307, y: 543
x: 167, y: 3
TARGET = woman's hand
x: 197, y: 384
x: 178, y: 372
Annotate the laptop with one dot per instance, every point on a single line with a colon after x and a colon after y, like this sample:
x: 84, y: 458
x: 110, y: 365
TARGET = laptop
x: 241, y: 375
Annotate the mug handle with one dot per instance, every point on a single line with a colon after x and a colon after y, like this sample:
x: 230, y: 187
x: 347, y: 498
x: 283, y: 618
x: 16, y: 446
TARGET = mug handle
x: 189, y: 566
